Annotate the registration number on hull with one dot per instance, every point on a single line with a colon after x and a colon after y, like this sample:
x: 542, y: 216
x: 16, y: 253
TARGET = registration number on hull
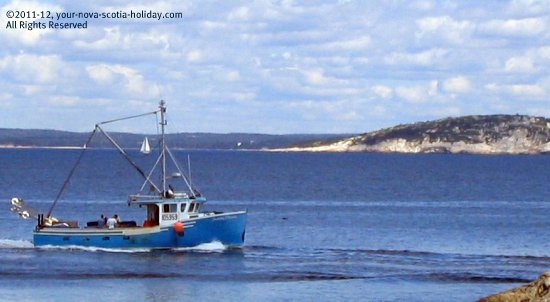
x: 169, y: 216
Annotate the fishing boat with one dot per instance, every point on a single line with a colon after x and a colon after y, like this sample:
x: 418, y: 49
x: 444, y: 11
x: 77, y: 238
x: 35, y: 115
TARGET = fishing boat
x: 173, y: 219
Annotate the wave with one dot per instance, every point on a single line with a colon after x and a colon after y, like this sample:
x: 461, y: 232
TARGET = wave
x: 261, y: 248
x: 15, y: 244
x: 214, y: 246
x: 93, y: 249
x: 435, y: 254
x: 310, y: 276
x: 73, y: 275
x: 473, y: 278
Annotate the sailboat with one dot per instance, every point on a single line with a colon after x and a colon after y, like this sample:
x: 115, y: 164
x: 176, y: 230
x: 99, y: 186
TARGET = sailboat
x: 145, y: 147
x: 173, y: 219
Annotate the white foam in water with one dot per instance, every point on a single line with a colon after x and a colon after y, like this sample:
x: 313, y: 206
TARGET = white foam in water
x: 15, y: 244
x: 95, y: 249
x: 214, y: 246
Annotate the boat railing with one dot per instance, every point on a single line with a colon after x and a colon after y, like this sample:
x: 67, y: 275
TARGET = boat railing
x: 138, y: 198
x: 142, y: 199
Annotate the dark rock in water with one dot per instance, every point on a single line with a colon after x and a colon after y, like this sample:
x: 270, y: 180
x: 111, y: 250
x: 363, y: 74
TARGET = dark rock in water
x: 536, y: 291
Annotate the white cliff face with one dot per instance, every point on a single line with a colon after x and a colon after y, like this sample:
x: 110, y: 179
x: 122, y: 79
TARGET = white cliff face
x: 344, y: 145
x: 478, y: 134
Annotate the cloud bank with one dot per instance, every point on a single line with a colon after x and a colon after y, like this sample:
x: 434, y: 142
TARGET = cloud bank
x: 278, y: 66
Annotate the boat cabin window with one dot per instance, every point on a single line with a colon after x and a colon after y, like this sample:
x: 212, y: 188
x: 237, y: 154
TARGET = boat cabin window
x: 169, y: 208
x: 183, y: 206
x: 194, y: 207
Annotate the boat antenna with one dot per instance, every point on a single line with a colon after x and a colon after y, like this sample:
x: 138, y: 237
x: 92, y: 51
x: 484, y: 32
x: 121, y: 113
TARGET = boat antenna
x: 162, y: 109
x: 184, y: 177
x: 189, y: 168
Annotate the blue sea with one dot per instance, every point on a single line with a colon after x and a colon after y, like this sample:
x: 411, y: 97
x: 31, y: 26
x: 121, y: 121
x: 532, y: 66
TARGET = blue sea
x: 321, y: 227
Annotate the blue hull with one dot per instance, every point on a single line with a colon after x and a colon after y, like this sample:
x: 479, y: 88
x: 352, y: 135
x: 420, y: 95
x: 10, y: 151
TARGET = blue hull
x: 228, y: 228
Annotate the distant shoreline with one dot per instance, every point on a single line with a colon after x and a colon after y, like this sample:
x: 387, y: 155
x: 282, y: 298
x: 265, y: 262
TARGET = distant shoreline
x: 40, y: 147
x: 36, y: 138
x: 277, y: 150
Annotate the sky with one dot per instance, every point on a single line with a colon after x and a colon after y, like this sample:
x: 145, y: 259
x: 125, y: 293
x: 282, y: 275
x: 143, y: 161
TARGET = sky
x: 275, y: 66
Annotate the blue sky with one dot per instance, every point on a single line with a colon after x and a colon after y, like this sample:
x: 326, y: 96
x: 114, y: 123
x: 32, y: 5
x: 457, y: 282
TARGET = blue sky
x: 278, y: 66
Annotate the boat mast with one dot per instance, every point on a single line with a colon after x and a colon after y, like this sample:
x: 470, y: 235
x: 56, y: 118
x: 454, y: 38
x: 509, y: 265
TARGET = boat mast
x: 162, y: 108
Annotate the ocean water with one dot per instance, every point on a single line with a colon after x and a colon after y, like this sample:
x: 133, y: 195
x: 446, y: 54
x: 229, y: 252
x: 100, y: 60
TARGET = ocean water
x: 321, y: 227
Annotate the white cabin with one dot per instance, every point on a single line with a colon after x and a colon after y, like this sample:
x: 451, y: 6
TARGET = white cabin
x: 167, y: 211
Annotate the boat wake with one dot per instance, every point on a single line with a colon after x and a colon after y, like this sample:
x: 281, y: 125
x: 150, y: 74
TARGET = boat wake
x: 211, y: 247
x: 93, y: 249
x: 15, y: 244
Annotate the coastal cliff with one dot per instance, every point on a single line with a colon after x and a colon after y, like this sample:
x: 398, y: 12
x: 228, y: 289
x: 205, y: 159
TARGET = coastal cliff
x: 536, y: 291
x: 480, y: 134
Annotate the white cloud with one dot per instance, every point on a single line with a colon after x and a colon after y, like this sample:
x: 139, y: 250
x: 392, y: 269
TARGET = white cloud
x: 63, y: 100
x: 348, y: 44
x: 544, y: 52
x: 445, y: 111
x: 337, y: 109
x: 423, y: 5
x: 114, y: 39
x: 102, y: 74
x: 418, y: 93
x: 315, y: 77
x: 213, y: 25
x: 527, y: 89
x: 443, y: 28
x: 350, y: 116
x: 458, y: 84
x: 5, y: 99
x: 522, y: 90
x: 240, y: 13
x: 520, y: 64
x: 527, y: 27
x: 425, y: 58
x: 34, y: 90
x: 234, y: 60
x: 119, y: 75
x: 195, y: 55
x: 378, y: 110
x: 382, y: 91
x: 233, y: 75
x: 244, y: 96
x: 25, y: 36
x: 529, y: 7
x: 30, y: 68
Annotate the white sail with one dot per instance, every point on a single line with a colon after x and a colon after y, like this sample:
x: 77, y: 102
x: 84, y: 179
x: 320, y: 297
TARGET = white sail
x: 145, y: 148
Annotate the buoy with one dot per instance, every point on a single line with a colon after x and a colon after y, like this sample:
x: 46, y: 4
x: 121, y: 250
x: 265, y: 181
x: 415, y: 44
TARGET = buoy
x: 178, y: 227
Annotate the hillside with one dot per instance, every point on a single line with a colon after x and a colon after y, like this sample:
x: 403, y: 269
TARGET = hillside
x: 482, y: 134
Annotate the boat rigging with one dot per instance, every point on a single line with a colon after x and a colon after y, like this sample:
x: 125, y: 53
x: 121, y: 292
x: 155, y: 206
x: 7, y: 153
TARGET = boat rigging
x: 173, y: 217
